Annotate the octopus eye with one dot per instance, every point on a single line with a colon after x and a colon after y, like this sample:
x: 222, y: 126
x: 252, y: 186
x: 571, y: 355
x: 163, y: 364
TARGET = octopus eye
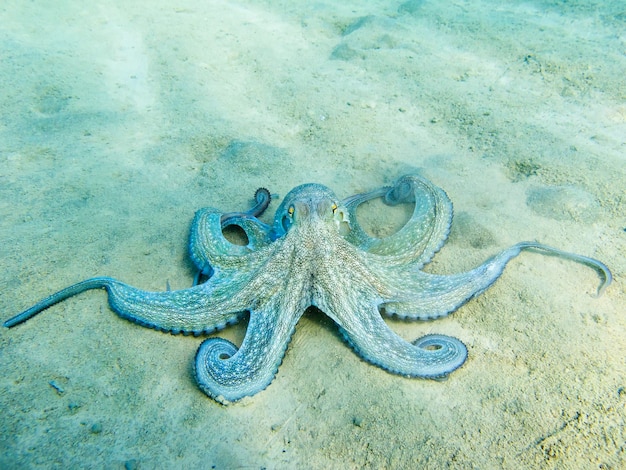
x: 334, y: 207
x: 287, y: 220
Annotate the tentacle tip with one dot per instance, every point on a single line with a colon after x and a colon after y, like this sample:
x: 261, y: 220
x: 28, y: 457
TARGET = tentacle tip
x: 14, y: 321
x: 606, y: 282
x: 262, y: 192
x: 601, y: 289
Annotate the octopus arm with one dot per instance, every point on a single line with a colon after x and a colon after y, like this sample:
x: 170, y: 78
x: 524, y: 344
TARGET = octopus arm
x: 208, y: 247
x: 228, y: 374
x: 360, y: 322
x: 357, y: 236
x: 425, y: 296
x: 424, y: 233
x: 200, y: 309
x: 262, y: 198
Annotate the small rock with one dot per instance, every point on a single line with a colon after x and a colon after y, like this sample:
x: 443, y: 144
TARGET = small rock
x: 131, y: 464
x: 96, y: 428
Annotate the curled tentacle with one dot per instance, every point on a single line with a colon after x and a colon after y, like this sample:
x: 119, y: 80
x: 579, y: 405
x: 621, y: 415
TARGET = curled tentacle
x: 421, y: 237
x: 432, y: 356
x: 228, y: 374
x: 208, y: 247
x: 262, y: 197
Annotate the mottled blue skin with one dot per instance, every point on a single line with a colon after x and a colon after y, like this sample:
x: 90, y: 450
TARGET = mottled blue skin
x: 315, y: 253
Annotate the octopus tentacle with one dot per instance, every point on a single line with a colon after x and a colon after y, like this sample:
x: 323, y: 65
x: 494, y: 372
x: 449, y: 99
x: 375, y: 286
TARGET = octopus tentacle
x: 63, y: 294
x: 256, y: 231
x: 182, y: 311
x: 431, y: 356
x: 601, y: 268
x: 228, y: 374
x: 262, y: 197
x: 210, y: 250
x: 207, y: 239
x: 421, y: 237
x: 357, y: 236
x: 426, y: 296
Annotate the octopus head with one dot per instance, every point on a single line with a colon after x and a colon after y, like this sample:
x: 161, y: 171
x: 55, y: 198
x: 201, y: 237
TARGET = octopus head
x: 310, y: 204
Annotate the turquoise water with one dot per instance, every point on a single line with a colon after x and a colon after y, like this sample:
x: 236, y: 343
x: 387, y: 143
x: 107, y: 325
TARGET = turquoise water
x: 118, y: 122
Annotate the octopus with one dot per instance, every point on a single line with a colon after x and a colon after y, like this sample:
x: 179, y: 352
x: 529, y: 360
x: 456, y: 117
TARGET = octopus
x: 315, y: 253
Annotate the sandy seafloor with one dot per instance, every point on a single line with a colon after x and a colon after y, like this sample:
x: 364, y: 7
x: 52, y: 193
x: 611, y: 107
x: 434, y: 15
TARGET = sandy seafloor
x: 120, y: 119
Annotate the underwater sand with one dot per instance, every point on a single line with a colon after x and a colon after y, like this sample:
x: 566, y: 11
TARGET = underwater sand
x: 119, y: 120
